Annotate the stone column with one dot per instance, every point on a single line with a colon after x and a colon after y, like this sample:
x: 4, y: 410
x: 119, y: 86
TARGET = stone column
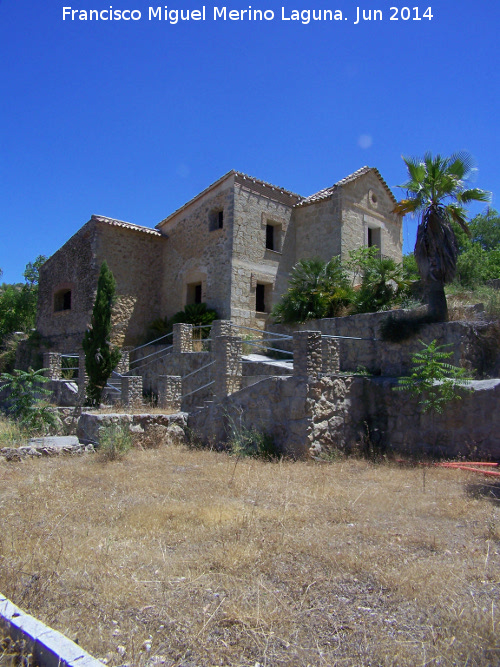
x: 123, y: 365
x: 220, y: 328
x: 228, y: 369
x: 52, y: 364
x: 307, y: 354
x: 330, y: 353
x: 170, y: 392
x: 82, y: 374
x: 132, y: 391
x: 183, y: 338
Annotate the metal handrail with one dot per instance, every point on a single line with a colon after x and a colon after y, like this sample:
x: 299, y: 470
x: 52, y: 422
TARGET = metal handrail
x: 198, y: 370
x: 274, y: 349
x: 152, y: 341
x: 261, y: 331
x: 347, y: 337
x: 198, y: 389
x: 136, y: 361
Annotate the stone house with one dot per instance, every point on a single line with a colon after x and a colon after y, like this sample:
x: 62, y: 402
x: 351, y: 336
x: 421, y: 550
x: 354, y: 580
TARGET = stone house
x: 232, y: 247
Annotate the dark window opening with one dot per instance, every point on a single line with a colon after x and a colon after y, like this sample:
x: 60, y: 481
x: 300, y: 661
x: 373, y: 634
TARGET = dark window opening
x: 374, y: 237
x: 260, y: 298
x: 194, y: 294
x: 270, y: 237
x: 216, y: 220
x: 62, y: 300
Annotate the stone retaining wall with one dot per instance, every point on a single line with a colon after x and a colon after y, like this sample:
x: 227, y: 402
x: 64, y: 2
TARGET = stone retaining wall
x: 475, y: 345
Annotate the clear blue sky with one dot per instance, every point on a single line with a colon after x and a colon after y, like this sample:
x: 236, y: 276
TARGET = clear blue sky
x: 130, y: 119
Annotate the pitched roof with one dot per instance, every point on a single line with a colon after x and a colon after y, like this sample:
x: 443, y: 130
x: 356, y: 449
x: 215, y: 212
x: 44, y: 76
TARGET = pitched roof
x: 327, y: 192
x: 233, y: 172
x: 125, y: 225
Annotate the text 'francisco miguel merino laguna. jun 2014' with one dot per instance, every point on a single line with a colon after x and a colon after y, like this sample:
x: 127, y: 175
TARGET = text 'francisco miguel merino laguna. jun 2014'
x: 173, y: 15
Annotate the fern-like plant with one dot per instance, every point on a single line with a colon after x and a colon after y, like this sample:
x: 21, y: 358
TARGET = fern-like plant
x: 433, y: 380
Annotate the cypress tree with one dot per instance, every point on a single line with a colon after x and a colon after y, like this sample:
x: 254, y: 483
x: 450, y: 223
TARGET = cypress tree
x: 100, y: 356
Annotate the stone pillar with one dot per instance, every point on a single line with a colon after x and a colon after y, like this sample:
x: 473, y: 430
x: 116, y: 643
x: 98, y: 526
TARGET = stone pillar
x: 228, y: 369
x: 183, y: 338
x: 123, y: 365
x: 82, y: 374
x: 170, y: 392
x: 132, y: 391
x: 52, y: 364
x: 330, y: 353
x: 220, y: 328
x: 307, y: 354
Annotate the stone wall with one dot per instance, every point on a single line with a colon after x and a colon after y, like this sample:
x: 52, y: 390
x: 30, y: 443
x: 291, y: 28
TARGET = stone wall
x: 318, y: 229
x: 367, y: 204
x: 134, y: 257
x: 136, y: 260
x: 354, y: 414
x: 475, y: 345
x: 75, y: 267
x: 378, y: 418
x: 197, y: 251
x: 255, y: 207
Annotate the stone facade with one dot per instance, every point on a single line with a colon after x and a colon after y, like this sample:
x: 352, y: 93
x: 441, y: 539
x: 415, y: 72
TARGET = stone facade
x: 68, y: 282
x: 232, y: 247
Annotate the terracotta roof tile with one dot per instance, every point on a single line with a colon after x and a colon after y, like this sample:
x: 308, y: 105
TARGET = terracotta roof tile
x: 125, y: 225
x: 327, y: 192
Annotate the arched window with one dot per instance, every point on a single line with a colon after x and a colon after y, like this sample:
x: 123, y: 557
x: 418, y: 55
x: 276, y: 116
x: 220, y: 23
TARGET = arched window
x: 62, y: 300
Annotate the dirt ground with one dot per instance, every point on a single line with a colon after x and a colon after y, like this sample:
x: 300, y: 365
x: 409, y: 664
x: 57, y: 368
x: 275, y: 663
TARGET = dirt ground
x: 194, y: 558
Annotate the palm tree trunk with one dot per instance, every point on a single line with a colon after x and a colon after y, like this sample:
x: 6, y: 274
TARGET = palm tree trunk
x: 436, y: 301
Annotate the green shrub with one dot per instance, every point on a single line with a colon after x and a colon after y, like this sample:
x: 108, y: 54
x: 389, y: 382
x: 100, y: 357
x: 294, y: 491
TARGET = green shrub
x: 316, y: 289
x: 114, y: 442
x: 26, y: 402
x: 433, y: 380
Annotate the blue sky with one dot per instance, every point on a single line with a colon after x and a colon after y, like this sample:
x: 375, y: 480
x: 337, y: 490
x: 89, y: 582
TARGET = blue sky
x: 131, y: 119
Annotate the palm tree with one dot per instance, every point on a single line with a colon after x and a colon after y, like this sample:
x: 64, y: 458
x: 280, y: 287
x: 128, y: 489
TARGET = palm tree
x: 437, y: 191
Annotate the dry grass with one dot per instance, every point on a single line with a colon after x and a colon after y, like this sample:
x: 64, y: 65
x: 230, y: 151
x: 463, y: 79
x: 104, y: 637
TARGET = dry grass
x: 195, y: 558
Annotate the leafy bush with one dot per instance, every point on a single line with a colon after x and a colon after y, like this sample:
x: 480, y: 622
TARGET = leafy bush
x: 381, y: 284
x: 26, y: 402
x: 114, y: 442
x: 316, y: 289
x: 433, y: 380
x: 197, y: 314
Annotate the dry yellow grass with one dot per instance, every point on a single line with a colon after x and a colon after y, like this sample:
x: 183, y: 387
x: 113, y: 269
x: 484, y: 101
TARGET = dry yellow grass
x: 182, y: 557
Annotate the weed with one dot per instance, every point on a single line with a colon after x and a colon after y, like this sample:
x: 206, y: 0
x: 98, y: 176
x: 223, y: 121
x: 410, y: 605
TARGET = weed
x: 244, y: 441
x: 433, y: 380
x: 114, y: 442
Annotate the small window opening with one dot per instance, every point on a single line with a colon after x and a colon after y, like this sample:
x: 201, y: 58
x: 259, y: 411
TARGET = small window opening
x: 260, y: 298
x: 270, y: 237
x: 373, y: 238
x: 194, y: 293
x: 216, y: 220
x: 62, y: 300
